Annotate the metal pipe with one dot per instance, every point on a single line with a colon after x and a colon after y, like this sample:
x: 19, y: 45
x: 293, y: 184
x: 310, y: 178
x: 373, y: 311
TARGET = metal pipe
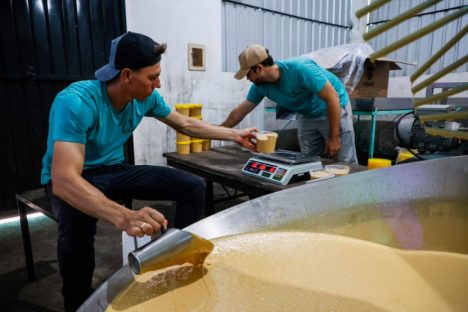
x: 442, y: 73
x: 371, y: 7
x: 450, y: 116
x: 418, y: 34
x: 398, y: 19
x: 447, y: 133
x: 438, y: 54
x: 440, y: 96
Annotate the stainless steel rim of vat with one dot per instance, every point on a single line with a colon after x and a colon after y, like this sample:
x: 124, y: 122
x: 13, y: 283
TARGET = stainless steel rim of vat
x: 438, y: 178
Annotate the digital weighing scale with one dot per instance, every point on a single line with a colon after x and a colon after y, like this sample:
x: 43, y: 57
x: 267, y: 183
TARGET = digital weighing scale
x: 281, y: 166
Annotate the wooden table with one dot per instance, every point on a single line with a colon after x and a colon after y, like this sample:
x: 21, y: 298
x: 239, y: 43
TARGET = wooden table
x: 224, y: 165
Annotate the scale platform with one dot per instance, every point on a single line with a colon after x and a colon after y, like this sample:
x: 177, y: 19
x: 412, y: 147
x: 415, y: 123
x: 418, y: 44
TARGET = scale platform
x: 281, y: 167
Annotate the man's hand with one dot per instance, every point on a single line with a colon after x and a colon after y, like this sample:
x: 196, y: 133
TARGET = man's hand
x: 333, y: 146
x: 145, y: 221
x: 245, y: 138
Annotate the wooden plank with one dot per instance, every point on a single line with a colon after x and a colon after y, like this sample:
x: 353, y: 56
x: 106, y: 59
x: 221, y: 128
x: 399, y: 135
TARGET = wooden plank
x: 36, y: 199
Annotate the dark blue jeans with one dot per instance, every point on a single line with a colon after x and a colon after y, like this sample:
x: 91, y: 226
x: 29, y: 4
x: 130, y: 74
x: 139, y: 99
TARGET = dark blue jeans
x: 75, y: 247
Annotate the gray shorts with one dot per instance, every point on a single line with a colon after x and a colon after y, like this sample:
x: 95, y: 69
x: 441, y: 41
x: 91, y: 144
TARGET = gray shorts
x: 313, y: 134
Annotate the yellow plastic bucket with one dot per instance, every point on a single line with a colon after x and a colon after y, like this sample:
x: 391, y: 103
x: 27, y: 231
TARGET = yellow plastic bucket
x: 196, y: 145
x: 404, y: 154
x: 183, y: 148
x: 183, y: 109
x: 375, y: 163
x: 206, y: 145
x: 195, y: 110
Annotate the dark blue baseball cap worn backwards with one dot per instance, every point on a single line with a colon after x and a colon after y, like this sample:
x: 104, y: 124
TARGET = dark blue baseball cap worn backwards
x: 130, y: 50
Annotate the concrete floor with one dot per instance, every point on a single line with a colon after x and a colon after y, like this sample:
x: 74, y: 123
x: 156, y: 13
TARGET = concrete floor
x: 43, y: 294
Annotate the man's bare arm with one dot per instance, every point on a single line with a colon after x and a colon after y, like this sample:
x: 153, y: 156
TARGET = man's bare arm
x: 199, y: 129
x: 238, y: 114
x: 329, y: 95
x: 71, y: 187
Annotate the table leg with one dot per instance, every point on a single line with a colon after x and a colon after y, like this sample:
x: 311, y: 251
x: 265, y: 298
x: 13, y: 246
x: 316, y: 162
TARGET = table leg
x: 26, y: 240
x: 209, y: 203
x: 372, y: 133
x: 357, y: 128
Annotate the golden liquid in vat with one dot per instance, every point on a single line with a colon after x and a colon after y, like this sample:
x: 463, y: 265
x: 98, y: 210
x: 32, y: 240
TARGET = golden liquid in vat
x: 300, y: 271
x: 290, y: 269
x: 431, y: 224
x: 194, y: 254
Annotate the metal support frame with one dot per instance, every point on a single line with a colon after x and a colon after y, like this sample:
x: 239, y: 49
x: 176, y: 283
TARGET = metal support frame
x: 418, y: 34
x: 374, y: 113
x: 26, y: 240
x: 398, y: 19
x: 441, y: 96
x: 439, y: 54
x: 23, y: 201
x: 440, y: 74
x: 38, y: 201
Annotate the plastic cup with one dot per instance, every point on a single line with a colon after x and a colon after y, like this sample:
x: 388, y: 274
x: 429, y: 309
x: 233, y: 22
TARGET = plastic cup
x: 196, y: 145
x: 183, y: 148
x: 338, y: 170
x: 320, y: 174
x: 183, y: 109
x: 376, y: 163
x: 266, y: 141
x: 195, y: 110
x: 206, y: 145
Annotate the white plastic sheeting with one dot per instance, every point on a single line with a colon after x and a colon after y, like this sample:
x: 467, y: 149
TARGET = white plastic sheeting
x: 345, y: 61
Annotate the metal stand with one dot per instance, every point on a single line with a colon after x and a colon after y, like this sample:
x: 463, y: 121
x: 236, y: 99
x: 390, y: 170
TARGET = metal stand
x: 374, y: 113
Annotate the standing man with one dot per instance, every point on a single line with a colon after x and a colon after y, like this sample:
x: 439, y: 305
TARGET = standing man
x: 300, y: 85
x: 84, y: 170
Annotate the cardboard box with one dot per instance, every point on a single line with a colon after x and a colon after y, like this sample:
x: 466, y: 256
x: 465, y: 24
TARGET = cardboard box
x: 349, y: 60
x: 374, y: 79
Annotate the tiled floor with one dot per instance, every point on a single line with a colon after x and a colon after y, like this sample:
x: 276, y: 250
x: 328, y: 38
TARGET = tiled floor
x: 18, y: 294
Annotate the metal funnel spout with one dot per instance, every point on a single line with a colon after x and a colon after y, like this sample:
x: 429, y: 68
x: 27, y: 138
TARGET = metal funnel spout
x: 175, y: 247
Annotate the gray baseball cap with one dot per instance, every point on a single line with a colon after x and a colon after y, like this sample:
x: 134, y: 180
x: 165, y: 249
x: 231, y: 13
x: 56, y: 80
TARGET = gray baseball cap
x: 130, y: 50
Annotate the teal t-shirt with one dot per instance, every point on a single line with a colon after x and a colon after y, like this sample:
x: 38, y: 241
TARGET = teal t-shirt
x: 301, y: 81
x: 82, y: 113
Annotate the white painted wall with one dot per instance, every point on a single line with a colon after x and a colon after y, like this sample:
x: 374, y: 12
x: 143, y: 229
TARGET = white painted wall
x: 178, y: 23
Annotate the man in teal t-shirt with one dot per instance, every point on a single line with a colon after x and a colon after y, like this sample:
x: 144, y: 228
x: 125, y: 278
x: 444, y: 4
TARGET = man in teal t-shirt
x: 302, y: 86
x: 84, y: 169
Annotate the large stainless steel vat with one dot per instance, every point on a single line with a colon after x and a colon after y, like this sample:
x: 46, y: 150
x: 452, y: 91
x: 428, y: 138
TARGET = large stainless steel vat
x: 443, y: 179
